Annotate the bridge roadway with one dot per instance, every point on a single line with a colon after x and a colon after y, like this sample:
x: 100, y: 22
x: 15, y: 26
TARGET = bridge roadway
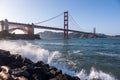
x: 47, y: 27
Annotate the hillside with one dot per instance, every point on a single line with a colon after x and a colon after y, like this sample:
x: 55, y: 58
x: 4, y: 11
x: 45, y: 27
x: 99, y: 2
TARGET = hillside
x: 50, y: 34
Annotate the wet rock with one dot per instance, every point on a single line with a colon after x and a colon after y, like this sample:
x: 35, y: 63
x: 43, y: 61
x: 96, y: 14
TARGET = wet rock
x: 53, y: 68
x: 5, y: 52
x: 18, y: 68
x: 76, y: 78
x: 27, y: 61
x: 39, y: 64
x: 5, y: 73
x: 5, y: 58
x: 20, y: 72
x: 58, y: 77
x: 52, y: 73
x: 67, y: 77
x: 59, y: 71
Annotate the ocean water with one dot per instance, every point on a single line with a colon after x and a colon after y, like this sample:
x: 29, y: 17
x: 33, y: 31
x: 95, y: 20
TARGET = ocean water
x: 86, y: 58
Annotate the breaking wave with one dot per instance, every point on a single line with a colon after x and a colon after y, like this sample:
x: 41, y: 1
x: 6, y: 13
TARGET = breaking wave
x: 94, y: 75
x: 36, y: 53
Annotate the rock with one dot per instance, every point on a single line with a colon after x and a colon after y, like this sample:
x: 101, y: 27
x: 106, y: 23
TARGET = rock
x: 4, y: 73
x: 18, y: 78
x: 18, y: 68
x: 58, y: 77
x: 39, y: 64
x: 5, y: 58
x: 19, y: 72
x: 59, y: 71
x: 22, y: 78
x: 67, y: 77
x: 76, y: 78
x: 28, y: 61
x: 5, y: 52
x: 53, y: 72
x: 53, y: 68
x: 45, y: 66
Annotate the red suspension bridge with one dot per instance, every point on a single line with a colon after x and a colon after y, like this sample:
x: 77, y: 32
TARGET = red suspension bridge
x: 29, y: 28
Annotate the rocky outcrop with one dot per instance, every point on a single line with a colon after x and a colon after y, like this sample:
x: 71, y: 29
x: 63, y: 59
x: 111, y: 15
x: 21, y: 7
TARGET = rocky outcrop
x: 14, y: 67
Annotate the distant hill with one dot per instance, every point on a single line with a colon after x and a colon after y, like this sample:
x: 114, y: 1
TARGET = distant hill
x: 50, y: 34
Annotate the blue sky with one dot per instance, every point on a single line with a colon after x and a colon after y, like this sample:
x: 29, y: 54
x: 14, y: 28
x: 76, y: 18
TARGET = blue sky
x: 102, y: 14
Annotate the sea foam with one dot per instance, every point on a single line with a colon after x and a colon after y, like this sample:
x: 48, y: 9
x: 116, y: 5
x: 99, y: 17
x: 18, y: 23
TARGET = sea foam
x: 94, y: 75
x: 36, y: 53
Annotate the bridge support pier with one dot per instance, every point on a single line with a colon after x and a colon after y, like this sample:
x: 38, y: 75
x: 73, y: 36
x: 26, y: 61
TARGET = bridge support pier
x: 2, y: 25
x: 6, y: 24
x: 33, y: 28
x: 66, y: 24
x: 94, y: 32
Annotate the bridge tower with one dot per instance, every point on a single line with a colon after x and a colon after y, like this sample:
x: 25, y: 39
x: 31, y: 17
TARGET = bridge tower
x: 66, y: 24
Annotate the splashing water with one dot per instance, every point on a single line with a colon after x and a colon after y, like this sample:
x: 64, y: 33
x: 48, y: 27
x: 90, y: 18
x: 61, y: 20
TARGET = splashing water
x: 82, y: 75
x: 36, y: 53
x: 94, y: 75
x: 52, y: 56
x: 26, y: 49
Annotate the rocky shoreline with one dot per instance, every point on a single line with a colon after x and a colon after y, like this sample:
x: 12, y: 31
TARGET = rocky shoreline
x: 15, y: 67
x: 12, y: 36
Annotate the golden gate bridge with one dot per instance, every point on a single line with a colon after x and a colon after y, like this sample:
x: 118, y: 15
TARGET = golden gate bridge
x: 29, y: 28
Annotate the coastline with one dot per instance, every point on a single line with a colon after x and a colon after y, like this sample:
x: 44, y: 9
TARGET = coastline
x: 9, y: 36
x: 14, y: 67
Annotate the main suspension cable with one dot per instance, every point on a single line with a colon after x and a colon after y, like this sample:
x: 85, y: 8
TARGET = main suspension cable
x: 49, y: 19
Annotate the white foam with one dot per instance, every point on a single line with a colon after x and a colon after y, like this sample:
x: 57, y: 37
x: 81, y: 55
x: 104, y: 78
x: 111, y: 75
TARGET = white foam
x: 76, y: 51
x: 64, y: 69
x: 82, y: 75
x: 108, y: 54
x: 94, y: 74
x: 26, y: 49
x: 36, y: 53
x: 50, y: 58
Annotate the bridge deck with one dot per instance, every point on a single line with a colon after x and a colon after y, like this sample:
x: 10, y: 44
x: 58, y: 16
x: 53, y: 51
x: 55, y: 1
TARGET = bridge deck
x: 47, y: 27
